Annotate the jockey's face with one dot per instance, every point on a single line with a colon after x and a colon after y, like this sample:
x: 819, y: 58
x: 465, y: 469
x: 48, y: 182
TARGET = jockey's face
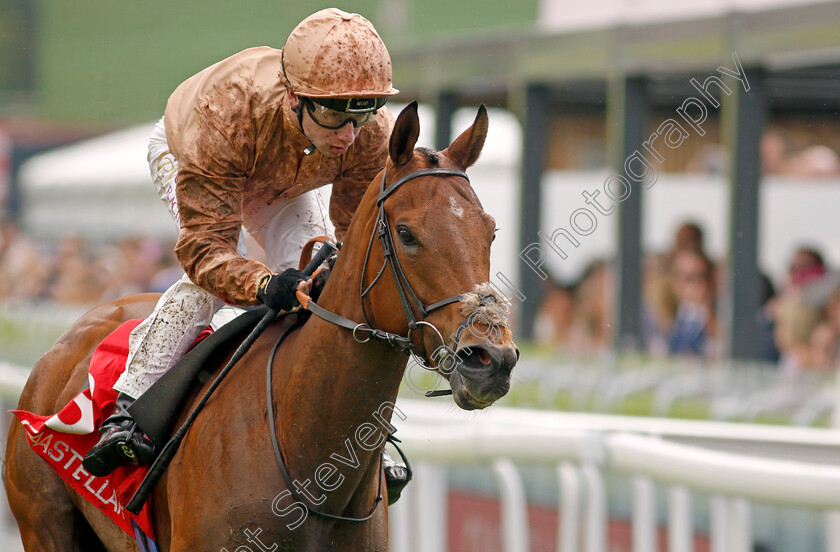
x: 330, y: 142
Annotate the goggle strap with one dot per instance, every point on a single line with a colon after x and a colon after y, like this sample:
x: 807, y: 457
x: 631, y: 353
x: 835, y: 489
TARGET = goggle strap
x: 352, y: 105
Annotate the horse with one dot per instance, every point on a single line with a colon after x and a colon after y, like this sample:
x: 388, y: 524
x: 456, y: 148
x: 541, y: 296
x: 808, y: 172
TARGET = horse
x: 333, y: 389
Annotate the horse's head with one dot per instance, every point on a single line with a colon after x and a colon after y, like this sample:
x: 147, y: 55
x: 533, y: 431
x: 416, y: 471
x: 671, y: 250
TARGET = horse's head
x: 433, y: 283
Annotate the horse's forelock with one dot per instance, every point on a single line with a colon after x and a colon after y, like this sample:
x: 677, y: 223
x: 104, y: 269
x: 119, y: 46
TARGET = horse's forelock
x: 430, y: 156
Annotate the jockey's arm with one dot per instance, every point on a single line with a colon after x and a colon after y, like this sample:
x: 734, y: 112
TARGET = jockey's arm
x: 207, y: 243
x: 347, y: 192
x: 213, y: 171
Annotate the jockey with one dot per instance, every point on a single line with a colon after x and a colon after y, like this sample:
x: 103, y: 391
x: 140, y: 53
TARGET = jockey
x: 243, y: 146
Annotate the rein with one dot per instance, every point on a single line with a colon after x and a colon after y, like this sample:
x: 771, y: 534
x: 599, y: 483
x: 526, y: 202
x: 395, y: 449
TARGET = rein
x: 278, y: 455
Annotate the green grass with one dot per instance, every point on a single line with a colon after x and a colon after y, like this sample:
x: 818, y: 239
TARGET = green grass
x: 528, y: 392
x: 25, y: 336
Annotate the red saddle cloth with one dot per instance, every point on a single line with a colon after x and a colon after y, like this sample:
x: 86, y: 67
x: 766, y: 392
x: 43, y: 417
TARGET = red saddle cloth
x: 63, y: 439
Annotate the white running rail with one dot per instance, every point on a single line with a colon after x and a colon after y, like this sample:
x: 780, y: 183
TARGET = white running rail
x: 735, y: 464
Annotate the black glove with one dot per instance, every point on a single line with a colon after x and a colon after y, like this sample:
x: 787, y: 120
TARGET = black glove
x: 277, y: 291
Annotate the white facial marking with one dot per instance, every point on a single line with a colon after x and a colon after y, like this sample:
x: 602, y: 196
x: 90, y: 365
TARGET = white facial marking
x: 455, y: 209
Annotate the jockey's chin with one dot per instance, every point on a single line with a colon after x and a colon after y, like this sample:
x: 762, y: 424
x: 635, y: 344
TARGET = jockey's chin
x: 332, y: 148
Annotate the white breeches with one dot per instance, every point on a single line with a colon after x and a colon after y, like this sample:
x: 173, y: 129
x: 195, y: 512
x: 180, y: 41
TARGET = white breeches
x: 185, y: 309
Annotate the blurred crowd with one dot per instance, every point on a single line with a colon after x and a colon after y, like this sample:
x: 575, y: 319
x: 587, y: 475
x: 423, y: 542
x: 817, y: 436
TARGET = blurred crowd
x: 75, y: 272
x: 798, y: 323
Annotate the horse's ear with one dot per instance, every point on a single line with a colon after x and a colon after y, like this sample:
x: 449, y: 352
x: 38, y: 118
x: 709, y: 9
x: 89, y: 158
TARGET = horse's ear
x: 405, y: 134
x: 467, y: 147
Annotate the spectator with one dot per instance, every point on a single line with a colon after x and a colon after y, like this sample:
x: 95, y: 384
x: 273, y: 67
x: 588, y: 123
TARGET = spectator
x: 113, y: 270
x: 806, y: 268
x: 767, y: 348
x: 823, y: 348
x: 774, y: 152
x: 169, y: 270
x: 825, y: 340
x: 815, y: 161
x: 805, y: 160
x: 73, y: 281
x: 554, y: 315
x: 591, y: 330
x: 709, y: 159
x: 795, y: 322
x: 804, y: 312
x: 72, y: 272
x: 694, y: 330
x: 26, y: 267
x: 689, y: 237
x: 660, y: 301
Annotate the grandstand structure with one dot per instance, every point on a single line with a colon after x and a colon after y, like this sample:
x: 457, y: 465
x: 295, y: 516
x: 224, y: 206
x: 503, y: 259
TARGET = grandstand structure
x: 591, y: 86
x: 733, y: 65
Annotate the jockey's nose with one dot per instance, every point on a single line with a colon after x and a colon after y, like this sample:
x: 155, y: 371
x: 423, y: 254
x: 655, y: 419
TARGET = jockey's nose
x: 347, y: 133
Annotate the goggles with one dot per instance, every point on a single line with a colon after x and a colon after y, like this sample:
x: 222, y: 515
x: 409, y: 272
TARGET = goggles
x: 334, y: 113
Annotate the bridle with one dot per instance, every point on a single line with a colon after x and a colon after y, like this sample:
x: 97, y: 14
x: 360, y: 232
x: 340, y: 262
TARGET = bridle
x: 409, y: 301
x: 408, y: 298
x: 364, y: 332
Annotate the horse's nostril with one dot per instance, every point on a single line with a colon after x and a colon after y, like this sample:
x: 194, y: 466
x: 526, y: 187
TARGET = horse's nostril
x: 477, y: 358
x: 510, y: 357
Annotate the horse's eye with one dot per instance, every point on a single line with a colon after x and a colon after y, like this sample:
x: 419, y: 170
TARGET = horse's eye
x: 406, y: 236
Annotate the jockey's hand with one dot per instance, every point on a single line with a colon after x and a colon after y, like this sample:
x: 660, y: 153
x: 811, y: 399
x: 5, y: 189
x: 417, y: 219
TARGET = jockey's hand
x: 277, y: 291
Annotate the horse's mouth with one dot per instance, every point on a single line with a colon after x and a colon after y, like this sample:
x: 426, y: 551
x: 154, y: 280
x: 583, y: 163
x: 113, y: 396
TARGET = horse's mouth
x: 476, y: 358
x: 462, y: 396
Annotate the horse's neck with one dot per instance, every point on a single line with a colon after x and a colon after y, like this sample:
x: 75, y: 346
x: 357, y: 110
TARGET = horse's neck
x: 350, y: 380
x: 333, y: 387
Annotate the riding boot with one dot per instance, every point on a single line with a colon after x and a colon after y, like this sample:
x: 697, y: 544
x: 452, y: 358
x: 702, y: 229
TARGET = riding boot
x: 397, y: 477
x: 120, y: 442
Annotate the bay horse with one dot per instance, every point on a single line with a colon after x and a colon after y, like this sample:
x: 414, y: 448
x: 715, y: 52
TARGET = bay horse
x: 223, y: 488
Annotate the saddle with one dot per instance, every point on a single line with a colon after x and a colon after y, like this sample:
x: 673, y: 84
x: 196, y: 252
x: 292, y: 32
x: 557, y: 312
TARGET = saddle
x: 157, y: 410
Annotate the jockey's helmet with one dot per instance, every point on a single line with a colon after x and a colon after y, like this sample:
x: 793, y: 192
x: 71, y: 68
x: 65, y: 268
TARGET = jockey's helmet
x: 338, y: 58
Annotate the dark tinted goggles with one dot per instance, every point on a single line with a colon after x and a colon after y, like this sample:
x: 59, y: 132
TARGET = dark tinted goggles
x: 333, y: 119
